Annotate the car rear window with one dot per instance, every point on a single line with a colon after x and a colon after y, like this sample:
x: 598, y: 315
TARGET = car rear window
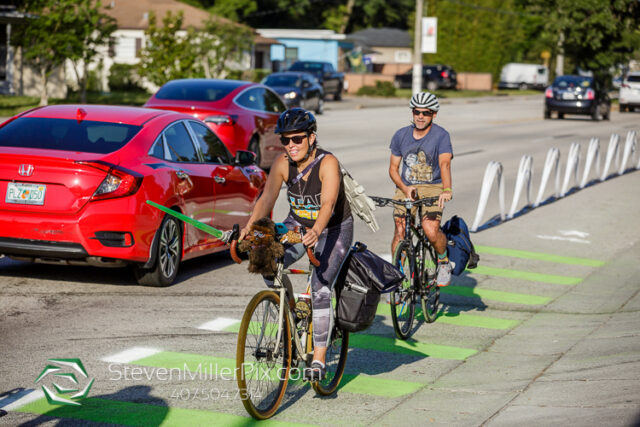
x: 304, y: 66
x: 633, y: 79
x: 68, y: 135
x: 194, y: 91
x: 572, y: 81
x: 282, y: 80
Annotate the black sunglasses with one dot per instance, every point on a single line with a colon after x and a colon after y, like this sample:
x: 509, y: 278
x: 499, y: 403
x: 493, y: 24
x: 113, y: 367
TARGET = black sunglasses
x: 297, y: 139
x: 424, y: 113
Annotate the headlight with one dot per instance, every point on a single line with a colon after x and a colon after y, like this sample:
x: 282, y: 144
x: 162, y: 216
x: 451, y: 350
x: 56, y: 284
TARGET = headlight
x: 290, y: 95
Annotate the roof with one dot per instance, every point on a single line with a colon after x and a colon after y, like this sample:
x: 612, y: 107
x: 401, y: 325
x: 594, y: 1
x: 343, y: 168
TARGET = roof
x: 382, y: 37
x: 280, y: 33
x: 134, y: 14
x: 101, y: 113
x: 258, y: 39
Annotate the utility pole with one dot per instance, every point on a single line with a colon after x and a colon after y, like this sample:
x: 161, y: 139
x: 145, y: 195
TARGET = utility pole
x: 560, y: 56
x: 416, y: 84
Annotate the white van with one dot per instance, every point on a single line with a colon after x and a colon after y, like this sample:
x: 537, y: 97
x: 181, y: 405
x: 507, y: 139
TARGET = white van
x: 523, y: 76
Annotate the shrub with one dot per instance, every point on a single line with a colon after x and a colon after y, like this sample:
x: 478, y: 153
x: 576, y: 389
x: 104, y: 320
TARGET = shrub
x: 122, y: 77
x: 381, y: 88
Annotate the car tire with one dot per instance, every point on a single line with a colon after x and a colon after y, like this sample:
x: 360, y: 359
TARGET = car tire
x: 168, y: 255
x: 523, y: 86
x: 338, y: 95
x: 432, y: 86
x: 607, y: 115
x: 320, y: 107
x: 547, y: 114
x: 561, y: 115
x: 623, y: 108
x: 254, y: 145
x: 596, y: 115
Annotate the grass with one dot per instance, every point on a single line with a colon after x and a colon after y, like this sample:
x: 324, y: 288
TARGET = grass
x: 12, y: 105
x: 406, y: 93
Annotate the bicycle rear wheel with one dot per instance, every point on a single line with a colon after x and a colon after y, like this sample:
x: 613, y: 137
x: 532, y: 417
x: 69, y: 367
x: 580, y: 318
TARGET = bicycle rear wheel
x: 430, y: 291
x: 402, y: 300
x: 335, y: 361
x: 262, y: 364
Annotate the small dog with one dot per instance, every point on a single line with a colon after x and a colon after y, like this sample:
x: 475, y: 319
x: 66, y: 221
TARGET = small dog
x: 263, y: 246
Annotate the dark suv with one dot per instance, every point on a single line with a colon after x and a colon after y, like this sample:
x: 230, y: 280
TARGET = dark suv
x: 433, y: 77
x: 577, y: 95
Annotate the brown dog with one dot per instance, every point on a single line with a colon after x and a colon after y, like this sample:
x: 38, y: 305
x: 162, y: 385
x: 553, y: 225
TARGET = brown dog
x: 263, y: 247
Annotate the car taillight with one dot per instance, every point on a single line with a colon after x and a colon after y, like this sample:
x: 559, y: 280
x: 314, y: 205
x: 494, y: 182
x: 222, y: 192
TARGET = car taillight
x: 590, y: 94
x: 548, y: 93
x: 117, y: 183
x: 626, y: 86
x: 223, y: 119
x: 444, y: 74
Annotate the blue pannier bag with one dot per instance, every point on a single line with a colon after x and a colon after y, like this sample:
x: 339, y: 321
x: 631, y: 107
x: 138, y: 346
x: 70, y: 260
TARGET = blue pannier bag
x: 461, y: 252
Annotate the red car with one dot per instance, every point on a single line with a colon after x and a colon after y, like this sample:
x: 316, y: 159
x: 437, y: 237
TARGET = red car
x: 74, y: 180
x: 242, y: 114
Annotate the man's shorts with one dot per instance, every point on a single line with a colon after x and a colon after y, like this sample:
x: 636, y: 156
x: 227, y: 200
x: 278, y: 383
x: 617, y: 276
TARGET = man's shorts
x: 424, y: 190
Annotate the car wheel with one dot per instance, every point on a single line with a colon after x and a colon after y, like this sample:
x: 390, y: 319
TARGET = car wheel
x: 522, y: 86
x: 623, y: 108
x: 254, y: 145
x: 168, y: 254
x: 338, y: 95
x: 431, y: 86
x: 561, y: 115
x: 320, y: 108
x: 607, y: 115
x: 596, y: 115
x: 547, y: 114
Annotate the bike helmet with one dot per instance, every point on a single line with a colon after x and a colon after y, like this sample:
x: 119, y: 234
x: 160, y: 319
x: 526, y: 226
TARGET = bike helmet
x: 424, y: 100
x: 296, y: 120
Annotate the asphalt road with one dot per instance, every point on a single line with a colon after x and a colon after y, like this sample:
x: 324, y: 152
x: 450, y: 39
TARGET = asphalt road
x: 545, y: 331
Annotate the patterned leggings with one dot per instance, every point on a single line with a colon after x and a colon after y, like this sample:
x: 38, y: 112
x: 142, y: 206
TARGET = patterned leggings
x: 333, y: 245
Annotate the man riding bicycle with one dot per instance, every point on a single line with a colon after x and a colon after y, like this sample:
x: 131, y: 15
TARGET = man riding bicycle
x: 423, y: 149
x: 317, y: 201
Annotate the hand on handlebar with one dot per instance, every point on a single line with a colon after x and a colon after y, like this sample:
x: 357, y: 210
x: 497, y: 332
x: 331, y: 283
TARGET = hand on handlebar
x: 444, y: 197
x: 310, y: 238
x: 411, y: 192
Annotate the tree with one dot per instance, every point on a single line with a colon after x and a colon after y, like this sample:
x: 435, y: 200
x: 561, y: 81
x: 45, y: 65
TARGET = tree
x: 595, y: 35
x: 168, y: 53
x: 92, y: 30
x: 219, y: 44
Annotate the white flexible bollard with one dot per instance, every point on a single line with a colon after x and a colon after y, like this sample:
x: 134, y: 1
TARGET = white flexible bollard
x: 552, y: 162
x: 525, y: 175
x: 612, y: 151
x: 593, y: 154
x: 629, y: 150
x: 492, y: 173
x: 573, y: 161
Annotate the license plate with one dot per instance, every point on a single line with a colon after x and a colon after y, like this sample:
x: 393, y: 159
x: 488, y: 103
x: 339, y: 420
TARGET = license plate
x: 27, y: 194
x: 568, y: 95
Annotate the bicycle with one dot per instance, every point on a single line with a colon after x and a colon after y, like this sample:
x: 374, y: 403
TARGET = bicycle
x: 416, y: 258
x: 272, y: 338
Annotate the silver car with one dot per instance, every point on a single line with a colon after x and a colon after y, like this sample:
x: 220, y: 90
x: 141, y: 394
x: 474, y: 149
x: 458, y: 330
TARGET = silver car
x: 630, y: 92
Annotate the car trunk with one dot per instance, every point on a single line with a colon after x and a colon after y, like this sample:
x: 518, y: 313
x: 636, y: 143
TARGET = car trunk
x: 59, y: 182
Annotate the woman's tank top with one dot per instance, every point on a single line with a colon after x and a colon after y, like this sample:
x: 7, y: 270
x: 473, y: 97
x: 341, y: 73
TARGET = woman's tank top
x: 304, y: 197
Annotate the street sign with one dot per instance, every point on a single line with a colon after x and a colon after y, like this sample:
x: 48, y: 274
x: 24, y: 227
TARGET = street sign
x: 429, y: 35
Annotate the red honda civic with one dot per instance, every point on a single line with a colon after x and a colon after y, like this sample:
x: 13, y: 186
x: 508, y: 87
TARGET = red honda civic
x: 243, y: 114
x: 75, y: 179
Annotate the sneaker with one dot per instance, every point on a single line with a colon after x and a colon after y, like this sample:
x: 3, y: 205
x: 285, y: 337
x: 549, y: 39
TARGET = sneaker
x: 443, y: 277
x: 317, y: 372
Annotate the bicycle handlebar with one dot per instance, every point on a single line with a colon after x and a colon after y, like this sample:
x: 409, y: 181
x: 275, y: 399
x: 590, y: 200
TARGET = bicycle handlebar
x: 384, y: 201
x: 233, y: 239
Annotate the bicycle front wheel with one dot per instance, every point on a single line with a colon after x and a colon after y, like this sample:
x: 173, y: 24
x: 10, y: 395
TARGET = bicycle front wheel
x: 430, y: 291
x: 262, y: 364
x: 402, y: 299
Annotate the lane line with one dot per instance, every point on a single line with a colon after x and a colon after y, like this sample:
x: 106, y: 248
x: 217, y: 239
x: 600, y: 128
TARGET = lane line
x: 538, y: 256
x: 525, y: 275
x: 499, y: 296
x: 139, y: 414
x: 211, y: 368
x: 130, y: 354
x: 459, y: 319
x: 20, y: 399
x: 218, y: 324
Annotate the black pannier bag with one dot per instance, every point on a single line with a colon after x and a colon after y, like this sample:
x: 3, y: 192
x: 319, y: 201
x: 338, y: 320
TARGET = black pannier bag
x: 462, y: 254
x: 364, y: 276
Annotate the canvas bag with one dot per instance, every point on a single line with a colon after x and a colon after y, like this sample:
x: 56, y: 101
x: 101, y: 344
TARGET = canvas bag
x: 461, y: 253
x: 364, y: 276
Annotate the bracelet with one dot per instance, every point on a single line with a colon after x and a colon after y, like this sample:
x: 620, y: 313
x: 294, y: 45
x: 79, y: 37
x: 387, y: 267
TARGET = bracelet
x: 447, y: 189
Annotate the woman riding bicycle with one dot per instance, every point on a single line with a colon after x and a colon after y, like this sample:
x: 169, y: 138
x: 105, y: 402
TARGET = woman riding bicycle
x: 317, y: 201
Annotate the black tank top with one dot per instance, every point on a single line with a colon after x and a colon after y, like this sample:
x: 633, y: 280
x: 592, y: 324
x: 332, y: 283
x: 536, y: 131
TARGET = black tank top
x: 304, y: 197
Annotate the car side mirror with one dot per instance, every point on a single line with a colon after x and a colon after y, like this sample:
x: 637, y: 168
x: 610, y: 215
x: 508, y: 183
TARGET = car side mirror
x: 245, y: 158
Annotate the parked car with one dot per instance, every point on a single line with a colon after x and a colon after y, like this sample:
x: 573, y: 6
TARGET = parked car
x: 332, y: 82
x: 434, y: 77
x: 630, y: 92
x: 74, y: 181
x: 523, y: 76
x: 243, y: 114
x: 577, y: 95
x: 297, y: 89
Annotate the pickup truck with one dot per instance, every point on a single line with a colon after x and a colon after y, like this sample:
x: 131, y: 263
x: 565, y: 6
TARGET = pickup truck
x: 332, y: 81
